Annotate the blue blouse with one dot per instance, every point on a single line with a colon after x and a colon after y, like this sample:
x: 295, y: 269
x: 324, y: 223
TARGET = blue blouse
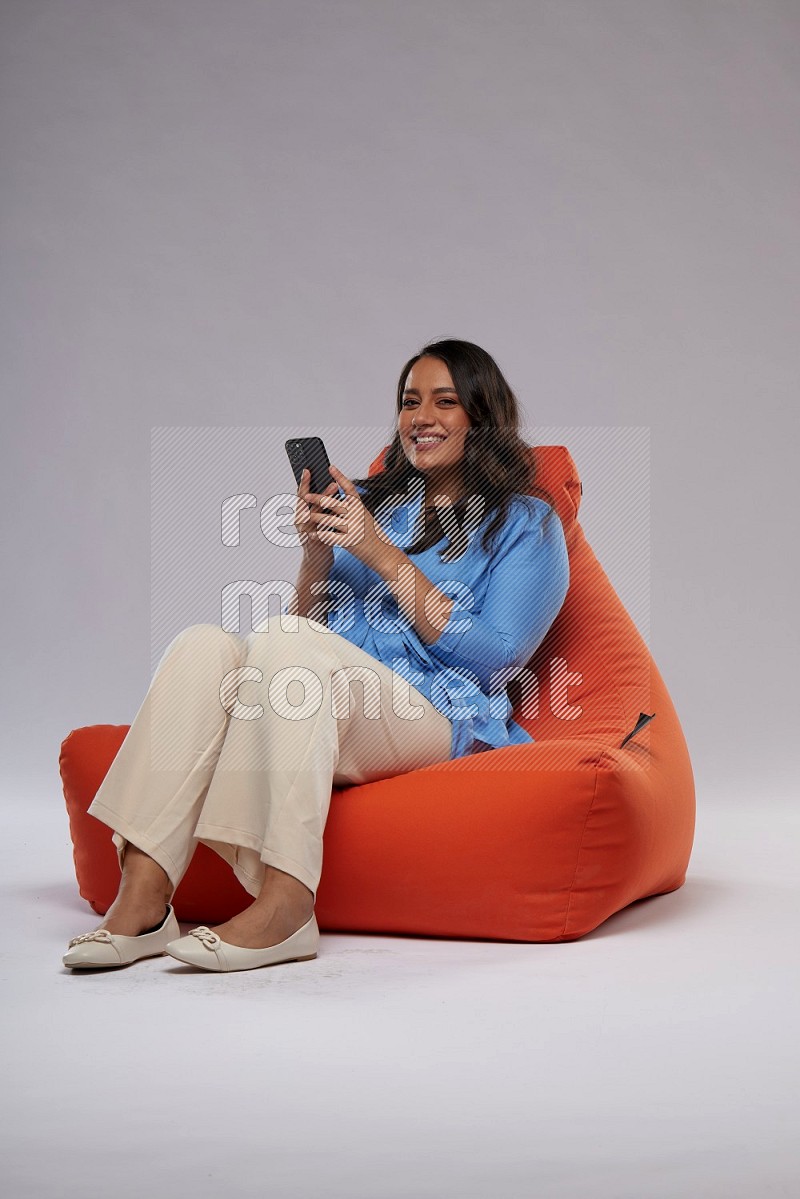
x: 505, y: 602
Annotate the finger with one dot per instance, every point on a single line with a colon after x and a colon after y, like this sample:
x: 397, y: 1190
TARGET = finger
x: 305, y: 480
x: 313, y: 497
x: 331, y: 491
x: 329, y: 502
x: 323, y: 519
x: 343, y: 481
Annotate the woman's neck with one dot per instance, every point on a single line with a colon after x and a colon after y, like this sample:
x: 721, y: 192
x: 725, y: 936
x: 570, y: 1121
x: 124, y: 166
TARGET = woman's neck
x: 450, y: 486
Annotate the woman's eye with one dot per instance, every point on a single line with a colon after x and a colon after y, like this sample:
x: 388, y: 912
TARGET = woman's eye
x: 443, y: 400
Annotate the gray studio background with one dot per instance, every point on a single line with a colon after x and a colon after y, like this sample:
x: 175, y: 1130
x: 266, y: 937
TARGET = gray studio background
x: 251, y: 214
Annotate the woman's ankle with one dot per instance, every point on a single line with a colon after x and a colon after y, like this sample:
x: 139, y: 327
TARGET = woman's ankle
x: 132, y: 915
x: 141, y: 873
x: 280, y: 888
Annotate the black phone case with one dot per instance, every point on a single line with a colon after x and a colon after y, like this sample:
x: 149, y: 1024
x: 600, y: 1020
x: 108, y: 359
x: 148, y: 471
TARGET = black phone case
x: 310, y: 452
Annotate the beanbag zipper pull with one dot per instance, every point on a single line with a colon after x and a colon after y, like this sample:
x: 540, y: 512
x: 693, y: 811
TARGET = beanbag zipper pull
x: 640, y: 723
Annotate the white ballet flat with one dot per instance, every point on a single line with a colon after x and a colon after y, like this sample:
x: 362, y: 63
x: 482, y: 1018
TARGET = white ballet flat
x: 94, y: 951
x: 208, y: 951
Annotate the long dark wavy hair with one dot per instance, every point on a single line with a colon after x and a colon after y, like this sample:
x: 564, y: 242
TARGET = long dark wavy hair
x: 497, y: 464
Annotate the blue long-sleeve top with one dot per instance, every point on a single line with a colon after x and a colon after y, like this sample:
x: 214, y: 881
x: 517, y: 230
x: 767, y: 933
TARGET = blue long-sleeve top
x: 505, y: 602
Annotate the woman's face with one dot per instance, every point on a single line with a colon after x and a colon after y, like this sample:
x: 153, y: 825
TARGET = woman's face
x: 431, y: 409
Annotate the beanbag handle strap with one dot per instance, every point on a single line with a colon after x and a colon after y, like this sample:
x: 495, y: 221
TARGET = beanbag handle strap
x: 640, y: 723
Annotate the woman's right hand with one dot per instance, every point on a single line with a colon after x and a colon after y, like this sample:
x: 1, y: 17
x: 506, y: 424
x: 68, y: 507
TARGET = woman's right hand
x: 309, y: 517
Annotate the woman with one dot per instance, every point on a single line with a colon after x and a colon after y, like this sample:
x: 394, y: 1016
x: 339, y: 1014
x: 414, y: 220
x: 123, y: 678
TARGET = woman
x: 431, y: 614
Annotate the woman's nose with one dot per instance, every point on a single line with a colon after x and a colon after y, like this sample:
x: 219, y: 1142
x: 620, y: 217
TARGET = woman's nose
x: 423, y: 416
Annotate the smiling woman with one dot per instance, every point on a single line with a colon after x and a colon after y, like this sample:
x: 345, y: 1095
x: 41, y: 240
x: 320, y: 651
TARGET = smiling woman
x: 475, y: 575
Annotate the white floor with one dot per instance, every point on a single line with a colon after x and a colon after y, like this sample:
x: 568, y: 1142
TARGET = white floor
x: 656, y: 1058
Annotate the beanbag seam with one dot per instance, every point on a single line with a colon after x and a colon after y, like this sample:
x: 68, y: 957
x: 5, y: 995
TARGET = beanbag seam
x: 597, y: 765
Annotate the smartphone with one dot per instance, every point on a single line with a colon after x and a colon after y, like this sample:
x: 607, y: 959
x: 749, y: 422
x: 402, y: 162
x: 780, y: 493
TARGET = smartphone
x: 310, y: 452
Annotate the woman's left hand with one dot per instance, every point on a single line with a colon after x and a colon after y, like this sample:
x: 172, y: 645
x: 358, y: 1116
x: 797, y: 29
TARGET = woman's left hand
x: 355, y: 528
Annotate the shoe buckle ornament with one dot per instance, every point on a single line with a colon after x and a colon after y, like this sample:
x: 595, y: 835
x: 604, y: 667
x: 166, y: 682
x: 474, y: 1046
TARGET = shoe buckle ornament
x: 209, y: 939
x: 99, y: 934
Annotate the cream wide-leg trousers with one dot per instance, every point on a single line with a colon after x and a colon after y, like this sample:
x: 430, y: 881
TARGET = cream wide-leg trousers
x: 239, y: 741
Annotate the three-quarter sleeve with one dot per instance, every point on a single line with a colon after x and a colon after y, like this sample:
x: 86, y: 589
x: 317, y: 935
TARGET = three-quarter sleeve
x: 528, y: 582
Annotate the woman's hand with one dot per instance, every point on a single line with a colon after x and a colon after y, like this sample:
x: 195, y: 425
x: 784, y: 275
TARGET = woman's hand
x: 307, y: 520
x: 347, y: 522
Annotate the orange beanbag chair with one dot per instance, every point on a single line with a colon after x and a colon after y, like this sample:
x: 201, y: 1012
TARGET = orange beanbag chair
x: 537, y: 842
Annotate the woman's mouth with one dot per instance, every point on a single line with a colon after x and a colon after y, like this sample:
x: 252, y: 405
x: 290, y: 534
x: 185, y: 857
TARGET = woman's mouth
x: 427, y: 441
